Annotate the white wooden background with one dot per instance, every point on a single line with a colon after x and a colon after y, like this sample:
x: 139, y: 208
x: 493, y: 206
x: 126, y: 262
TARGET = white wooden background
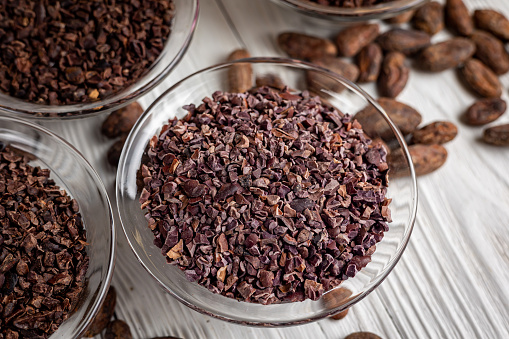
x: 453, y: 279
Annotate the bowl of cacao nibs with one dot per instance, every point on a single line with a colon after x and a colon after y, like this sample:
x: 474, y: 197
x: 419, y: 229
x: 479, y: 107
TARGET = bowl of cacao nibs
x: 75, y: 58
x: 250, y: 198
x: 57, y: 236
x: 352, y: 10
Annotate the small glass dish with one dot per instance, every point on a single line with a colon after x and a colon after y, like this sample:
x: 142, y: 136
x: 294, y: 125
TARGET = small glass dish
x: 336, y: 91
x: 183, y: 27
x: 74, y: 174
x: 381, y: 11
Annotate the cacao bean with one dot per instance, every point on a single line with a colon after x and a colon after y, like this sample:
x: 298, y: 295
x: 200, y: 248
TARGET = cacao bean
x: 393, y: 75
x: 497, y: 135
x: 340, y: 315
x: 270, y: 80
x: 115, y: 151
x: 458, y: 18
x: 438, y: 132
x: 405, y: 41
x: 402, y: 18
x: 352, y: 39
x: 485, y: 111
x: 429, y: 18
x: 316, y: 81
x: 240, y: 76
x: 118, y: 329
x: 491, y: 51
x: 121, y: 121
x: 481, y: 79
x: 104, y: 315
x: 306, y: 47
x: 426, y: 159
x: 369, y: 61
x: 447, y: 54
x: 362, y: 335
x: 492, y: 21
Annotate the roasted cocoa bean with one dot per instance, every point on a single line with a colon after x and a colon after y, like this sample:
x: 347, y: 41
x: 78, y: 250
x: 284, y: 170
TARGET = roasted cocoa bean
x: 104, y: 315
x: 404, y: 117
x: 491, y: 51
x: 240, y: 76
x: 403, y: 40
x: 481, y: 79
x: 438, y: 132
x: 306, y: 47
x: 497, y: 135
x: 369, y: 61
x: 492, y: 21
x: 429, y: 18
x: 362, y: 335
x: 121, y: 121
x: 118, y: 329
x: 270, y: 80
x: 485, y: 111
x: 457, y: 17
x: 402, y: 18
x: 316, y: 81
x: 447, y: 54
x: 393, y: 75
x: 352, y: 39
x: 115, y: 151
x: 426, y: 159
x: 340, y: 315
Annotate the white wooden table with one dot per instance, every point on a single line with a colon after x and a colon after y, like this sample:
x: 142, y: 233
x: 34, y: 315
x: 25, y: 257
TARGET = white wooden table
x: 453, y: 279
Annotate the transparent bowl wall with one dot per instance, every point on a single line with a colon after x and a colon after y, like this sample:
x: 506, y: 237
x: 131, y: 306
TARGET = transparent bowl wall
x: 380, y: 11
x: 191, y: 90
x: 74, y: 174
x: 183, y: 26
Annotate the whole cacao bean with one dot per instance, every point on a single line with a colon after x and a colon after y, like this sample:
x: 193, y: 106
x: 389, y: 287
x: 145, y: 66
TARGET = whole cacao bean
x: 426, y: 159
x: 404, y: 117
x: 447, y: 54
x: 429, y: 18
x: 403, y: 40
x: 438, y: 132
x: 393, y: 75
x: 369, y: 61
x: 340, y: 315
x: 402, y: 18
x: 492, y: 21
x: 118, y: 329
x: 491, y: 51
x: 121, y: 121
x: 270, y: 80
x: 362, y: 335
x: 481, y: 79
x: 458, y: 18
x: 306, y: 47
x: 485, y: 111
x: 497, y: 135
x: 316, y: 81
x: 352, y: 39
x: 240, y: 76
x: 104, y: 315
x: 115, y: 151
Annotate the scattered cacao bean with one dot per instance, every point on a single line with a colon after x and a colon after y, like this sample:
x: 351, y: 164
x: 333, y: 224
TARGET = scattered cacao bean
x: 457, y: 17
x: 429, y: 18
x: 104, y: 315
x: 438, y: 132
x: 481, y: 79
x: 240, y: 76
x: 316, y: 81
x: 447, y: 54
x: 340, y: 315
x: 485, y: 111
x: 115, y: 151
x: 369, y: 61
x: 491, y: 51
x: 393, y: 75
x: 492, y: 21
x: 405, y: 41
x: 306, y: 47
x: 352, y: 39
x: 426, y: 159
x: 402, y: 18
x: 118, y: 329
x: 497, y: 135
x: 121, y: 121
x: 362, y: 335
x: 404, y: 117
x: 270, y: 80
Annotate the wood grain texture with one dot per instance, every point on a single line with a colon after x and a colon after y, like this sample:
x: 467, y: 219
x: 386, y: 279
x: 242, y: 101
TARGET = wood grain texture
x: 452, y: 279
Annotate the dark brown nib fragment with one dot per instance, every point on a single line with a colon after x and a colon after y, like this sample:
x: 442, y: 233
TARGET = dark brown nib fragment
x: 260, y: 202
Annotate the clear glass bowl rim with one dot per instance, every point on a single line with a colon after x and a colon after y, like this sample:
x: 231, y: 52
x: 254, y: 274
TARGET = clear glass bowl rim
x: 303, y: 65
x: 100, y: 186
x: 82, y: 110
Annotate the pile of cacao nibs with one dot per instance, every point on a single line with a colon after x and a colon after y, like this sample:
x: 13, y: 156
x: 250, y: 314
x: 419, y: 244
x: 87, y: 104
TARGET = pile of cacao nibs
x: 67, y: 52
x: 477, y: 53
x: 350, y: 3
x: 266, y: 196
x: 43, y: 259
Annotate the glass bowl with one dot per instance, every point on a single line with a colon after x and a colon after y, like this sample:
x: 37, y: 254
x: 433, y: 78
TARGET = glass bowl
x: 337, y: 91
x: 380, y: 11
x: 74, y: 174
x: 175, y: 47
